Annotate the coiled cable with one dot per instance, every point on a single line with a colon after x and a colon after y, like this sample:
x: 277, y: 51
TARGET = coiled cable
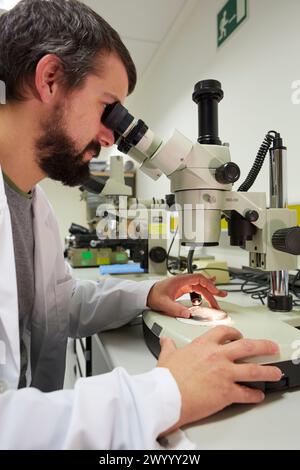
x: 258, y: 162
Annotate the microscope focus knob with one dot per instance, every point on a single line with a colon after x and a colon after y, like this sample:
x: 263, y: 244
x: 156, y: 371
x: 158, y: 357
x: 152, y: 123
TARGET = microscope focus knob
x: 158, y: 254
x: 287, y: 240
x: 228, y: 173
x: 251, y: 216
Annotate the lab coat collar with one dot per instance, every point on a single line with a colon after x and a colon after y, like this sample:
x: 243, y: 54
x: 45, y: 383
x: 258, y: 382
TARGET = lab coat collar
x: 9, y: 317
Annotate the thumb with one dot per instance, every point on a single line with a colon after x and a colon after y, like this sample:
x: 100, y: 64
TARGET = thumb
x: 167, y: 346
x: 175, y: 309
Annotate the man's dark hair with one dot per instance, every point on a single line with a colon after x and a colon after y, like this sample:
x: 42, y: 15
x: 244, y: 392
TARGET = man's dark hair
x: 67, y: 28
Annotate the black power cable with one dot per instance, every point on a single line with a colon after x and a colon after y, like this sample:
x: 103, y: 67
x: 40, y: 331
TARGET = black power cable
x: 258, y: 162
x: 255, y: 284
x: 176, y: 264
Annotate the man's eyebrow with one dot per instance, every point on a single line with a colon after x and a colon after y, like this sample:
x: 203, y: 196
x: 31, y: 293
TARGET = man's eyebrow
x: 110, y: 95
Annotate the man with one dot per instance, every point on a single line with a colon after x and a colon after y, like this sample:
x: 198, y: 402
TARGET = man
x: 62, y: 64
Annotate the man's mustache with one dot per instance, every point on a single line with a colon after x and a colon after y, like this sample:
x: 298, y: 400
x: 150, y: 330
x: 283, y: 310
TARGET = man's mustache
x: 94, y: 147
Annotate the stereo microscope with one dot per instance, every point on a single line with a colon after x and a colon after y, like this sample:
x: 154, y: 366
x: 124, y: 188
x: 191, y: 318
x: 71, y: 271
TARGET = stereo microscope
x: 202, y: 176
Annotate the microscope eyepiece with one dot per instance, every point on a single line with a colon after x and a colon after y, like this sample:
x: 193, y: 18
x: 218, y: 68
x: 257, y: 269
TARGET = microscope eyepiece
x: 117, y: 118
x: 207, y: 94
x: 133, y: 137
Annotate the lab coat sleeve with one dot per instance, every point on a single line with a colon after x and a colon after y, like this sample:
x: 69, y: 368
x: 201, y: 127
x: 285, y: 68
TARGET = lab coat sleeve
x: 110, y: 411
x: 99, y: 306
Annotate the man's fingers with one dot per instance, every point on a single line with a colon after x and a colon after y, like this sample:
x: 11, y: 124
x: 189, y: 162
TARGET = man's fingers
x: 190, y: 281
x: 210, y: 288
x: 209, y: 297
x: 222, y: 293
x: 256, y: 373
x: 248, y: 395
x: 209, y: 285
x: 221, y: 334
x: 249, y: 348
x: 198, y: 283
x: 167, y: 346
x: 175, y: 309
x: 210, y: 300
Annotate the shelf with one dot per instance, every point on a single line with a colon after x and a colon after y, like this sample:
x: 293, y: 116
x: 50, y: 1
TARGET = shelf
x: 107, y: 174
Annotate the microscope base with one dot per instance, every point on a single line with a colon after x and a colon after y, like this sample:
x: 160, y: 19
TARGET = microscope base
x: 253, y: 322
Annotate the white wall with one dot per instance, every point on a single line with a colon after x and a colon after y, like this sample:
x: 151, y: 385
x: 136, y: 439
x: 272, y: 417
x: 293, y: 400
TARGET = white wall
x: 66, y: 204
x: 256, y: 67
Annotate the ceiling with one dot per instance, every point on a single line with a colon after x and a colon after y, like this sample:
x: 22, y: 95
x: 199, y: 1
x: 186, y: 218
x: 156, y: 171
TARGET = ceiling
x: 142, y: 24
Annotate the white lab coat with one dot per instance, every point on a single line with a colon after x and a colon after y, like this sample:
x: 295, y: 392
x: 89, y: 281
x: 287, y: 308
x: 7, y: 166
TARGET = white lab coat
x: 111, y: 411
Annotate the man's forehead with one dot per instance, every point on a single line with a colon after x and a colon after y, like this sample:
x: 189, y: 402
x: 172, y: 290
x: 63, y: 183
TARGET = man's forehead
x: 113, y: 75
x: 105, y: 89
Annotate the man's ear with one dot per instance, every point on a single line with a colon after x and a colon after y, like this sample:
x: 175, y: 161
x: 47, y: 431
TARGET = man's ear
x: 48, y: 77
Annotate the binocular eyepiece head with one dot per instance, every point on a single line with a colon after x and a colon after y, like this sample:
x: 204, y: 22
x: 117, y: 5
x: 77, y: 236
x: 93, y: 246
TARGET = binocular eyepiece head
x: 128, y: 132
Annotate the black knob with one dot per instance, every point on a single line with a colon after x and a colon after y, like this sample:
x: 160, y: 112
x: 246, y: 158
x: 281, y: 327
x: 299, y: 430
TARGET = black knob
x: 170, y: 199
x: 251, y: 216
x: 158, y: 254
x: 227, y: 173
x: 78, y: 229
x: 287, y: 240
x: 280, y: 303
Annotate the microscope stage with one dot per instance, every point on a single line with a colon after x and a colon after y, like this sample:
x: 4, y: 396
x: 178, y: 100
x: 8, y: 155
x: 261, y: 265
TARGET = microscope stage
x: 253, y: 322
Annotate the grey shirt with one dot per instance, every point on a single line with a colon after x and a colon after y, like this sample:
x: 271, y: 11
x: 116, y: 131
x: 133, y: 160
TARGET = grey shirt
x: 20, y: 206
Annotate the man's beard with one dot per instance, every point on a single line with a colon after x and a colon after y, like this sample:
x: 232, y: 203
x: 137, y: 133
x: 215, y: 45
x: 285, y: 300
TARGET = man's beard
x: 57, y: 155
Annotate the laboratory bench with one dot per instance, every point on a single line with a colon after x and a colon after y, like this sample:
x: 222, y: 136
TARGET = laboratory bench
x: 273, y: 424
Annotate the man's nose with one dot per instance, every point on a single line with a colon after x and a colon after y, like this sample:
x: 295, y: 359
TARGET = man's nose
x: 106, y: 136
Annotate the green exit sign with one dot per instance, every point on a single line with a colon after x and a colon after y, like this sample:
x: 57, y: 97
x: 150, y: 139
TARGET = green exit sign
x: 230, y: 17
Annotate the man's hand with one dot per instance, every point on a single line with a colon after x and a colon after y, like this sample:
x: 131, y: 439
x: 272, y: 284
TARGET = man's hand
x: 163, y: 294
x: 207, y: 375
